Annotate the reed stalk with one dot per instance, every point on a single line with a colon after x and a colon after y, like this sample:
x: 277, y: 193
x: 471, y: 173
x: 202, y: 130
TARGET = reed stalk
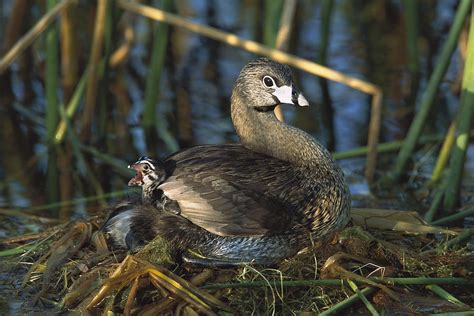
x: 362, y: 297
x: 462, y: 236
x: 152, y: 89
x: 102, y: 121
x: 286, y: 24
x: 454, y: 217
x: 272, y: 13
x: 384, y: 147
x: 435, y: 204
x: 52, y: 113
x: 71, y: 109
x: 347, y: 302
x: 121, y: 54
x: 373, y: 137
x: 464, y: 121
x: 445, y: 295
x: 326, y: 107
x: 69, y: 52
x: 425, y: 281
x: 26, y: 40
x: 252, y: 284
x: 16, y: 251
x: 277, y: 35
x: 338, y: 282
x: 14, y: 25
x: 442, y: 63
x: 411, y: 26
x: 81, y: 161
x: 443, y: 156
x: 411, y: 20
x: 69, y: 70
x: 93, y: 66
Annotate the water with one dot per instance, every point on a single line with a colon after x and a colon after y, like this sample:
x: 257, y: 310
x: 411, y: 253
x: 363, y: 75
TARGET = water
x: 367, y: 41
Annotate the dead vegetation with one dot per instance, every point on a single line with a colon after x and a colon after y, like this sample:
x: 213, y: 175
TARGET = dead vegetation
x: 72, y: 268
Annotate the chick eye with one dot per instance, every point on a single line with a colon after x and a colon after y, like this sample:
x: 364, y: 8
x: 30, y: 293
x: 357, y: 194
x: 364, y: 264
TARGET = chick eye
x: 268, y: 82
x: 145, y: 167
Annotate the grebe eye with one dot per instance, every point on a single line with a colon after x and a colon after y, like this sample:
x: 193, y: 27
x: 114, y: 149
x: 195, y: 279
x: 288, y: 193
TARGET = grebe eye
x: 146, y: 167
x: 269, y: 82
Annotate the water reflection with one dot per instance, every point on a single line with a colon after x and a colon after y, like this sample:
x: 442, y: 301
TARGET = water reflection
x: 367, y: 40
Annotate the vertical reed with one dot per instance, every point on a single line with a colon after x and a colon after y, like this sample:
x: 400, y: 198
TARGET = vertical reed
x: 428, y: 97
x: 152, y: 89
x: 104, y: 107
x: 411, y: 27
x: 464, y: 121
x: 52, y: 113
x: 444, y: 153
x: 93, y: 66
x: 12, y: 31
x: 411, y: 21
x: 326, y: 107
x: 272, y: 17
x: 273, y: 24
x: 282, y: 37
x: 69, y: 51
x: 285, y: 26
x: 69, y: 71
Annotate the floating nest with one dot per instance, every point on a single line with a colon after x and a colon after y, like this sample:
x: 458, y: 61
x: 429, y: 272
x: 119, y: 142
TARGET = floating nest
x: 385, y: 261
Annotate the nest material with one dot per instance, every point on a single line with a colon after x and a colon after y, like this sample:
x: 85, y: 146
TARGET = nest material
x: 73, y: 269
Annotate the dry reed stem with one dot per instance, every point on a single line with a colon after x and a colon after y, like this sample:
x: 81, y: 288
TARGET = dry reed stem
x: 121, y: 54
x: 69, y: 52
x: 300, y: 63
x: 286, y: 22
x: 14, y: 25
x: 373, y: 137
x: 283, y: 37
x: 444, y: 153
x: 26, y: 40
x: 93, y: 66
x: 131, y: 297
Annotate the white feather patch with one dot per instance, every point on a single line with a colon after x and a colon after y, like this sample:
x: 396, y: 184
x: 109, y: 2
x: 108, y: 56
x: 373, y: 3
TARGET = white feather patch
x: 119, y: 226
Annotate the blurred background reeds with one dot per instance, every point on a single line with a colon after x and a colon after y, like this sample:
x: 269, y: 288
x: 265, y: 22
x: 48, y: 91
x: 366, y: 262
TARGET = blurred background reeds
x: 86, y: 87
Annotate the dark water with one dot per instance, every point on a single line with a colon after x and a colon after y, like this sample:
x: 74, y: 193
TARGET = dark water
x: 367, y: 40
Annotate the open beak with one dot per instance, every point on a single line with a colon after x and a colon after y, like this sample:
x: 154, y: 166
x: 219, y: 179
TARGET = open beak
x: 138, y: 179
x: 290, y: 95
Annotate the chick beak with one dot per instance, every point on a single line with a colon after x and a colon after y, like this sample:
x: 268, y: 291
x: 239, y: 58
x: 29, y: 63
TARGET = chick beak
x: 137, y: 180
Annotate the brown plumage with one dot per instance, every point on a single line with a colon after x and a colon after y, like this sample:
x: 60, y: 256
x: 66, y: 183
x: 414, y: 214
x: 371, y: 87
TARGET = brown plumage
x: 261, y: 200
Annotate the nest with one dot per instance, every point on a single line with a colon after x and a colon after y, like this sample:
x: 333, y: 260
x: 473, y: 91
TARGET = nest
x: 71, y: 268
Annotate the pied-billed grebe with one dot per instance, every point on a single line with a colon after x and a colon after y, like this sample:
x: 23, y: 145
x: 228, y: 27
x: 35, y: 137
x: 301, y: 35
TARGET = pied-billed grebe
x: 149, y: 175
x: 259, y: 201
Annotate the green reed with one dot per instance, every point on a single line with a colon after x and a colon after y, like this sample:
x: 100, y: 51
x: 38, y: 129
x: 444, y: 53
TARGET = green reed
x: 464, y: 120
x: 150, y: 122
x: 272, y: 12
x: 326, y: 106
x: 442, y: 63
x: 52, y: 113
